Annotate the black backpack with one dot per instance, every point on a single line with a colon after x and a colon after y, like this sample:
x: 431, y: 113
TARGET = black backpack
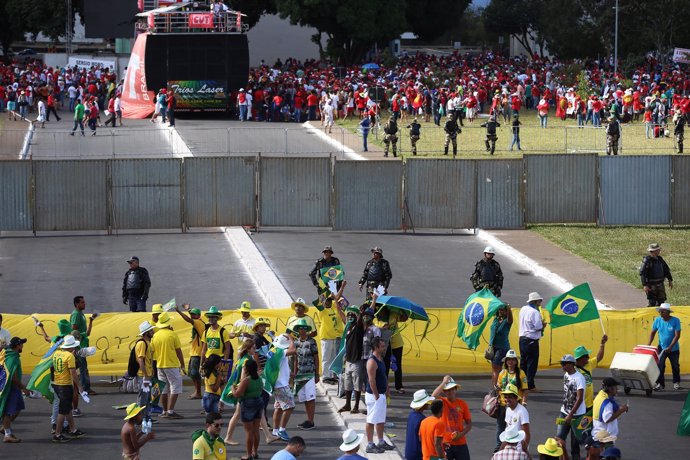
x: 222, y: 330
x: 133, y: 364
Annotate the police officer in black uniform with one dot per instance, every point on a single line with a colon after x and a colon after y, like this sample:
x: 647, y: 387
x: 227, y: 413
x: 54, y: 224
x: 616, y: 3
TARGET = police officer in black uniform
x: 136, y: 285
x: 488, y: 273
x: 376, y: 272
x: 491, y: 135
x: 324, y: 262
x: 653, y: 271
x: 452, y: 130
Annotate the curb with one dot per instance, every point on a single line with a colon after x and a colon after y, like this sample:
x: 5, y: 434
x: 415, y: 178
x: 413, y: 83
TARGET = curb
x: 356, y: 422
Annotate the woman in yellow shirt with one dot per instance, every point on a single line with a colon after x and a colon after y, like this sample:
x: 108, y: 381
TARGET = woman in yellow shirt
x: 213, y: 384
x: 392, y: 320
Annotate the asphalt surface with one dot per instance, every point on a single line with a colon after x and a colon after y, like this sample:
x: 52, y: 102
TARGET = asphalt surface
x: 102, y: 425
x: 431, y: 269
x: 42, y: 274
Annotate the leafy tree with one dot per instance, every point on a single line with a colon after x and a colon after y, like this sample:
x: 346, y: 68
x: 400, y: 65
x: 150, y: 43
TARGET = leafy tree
x: 518, y: 18
x: 429, y: 19
x: 352, y: 27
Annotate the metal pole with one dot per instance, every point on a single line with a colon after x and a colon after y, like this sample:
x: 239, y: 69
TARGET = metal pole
x: 615, y: 46
x: 68, y: 32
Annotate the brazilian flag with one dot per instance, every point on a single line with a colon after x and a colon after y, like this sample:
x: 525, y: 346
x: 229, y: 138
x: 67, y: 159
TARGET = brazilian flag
x: 9, y: 366
x: 40, y: 376
x: 335, y: 273
x: 478, y: 309
x: 575, y: 306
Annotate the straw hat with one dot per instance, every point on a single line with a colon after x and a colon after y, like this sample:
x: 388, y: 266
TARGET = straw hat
x: 164, y: 321
x: 605, y: 437
x: 533, y: 296
x: 69, y: 342
x: 132, y: 410
x: 420, y: 399
x: 550, y: 448
x: 298, y: 302
x: 157, y: 308
x: 451, y: 384
x: 351, y: 440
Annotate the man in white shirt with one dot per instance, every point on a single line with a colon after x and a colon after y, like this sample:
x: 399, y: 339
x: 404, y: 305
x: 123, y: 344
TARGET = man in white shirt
x: 573, y: 407
x: 531, y: 330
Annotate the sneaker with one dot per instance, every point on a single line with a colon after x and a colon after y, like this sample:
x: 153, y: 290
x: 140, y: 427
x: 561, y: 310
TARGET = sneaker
x: 282, y: 434
x: 165, y: 415
x: 676, y: 386
x: 61, y: 438
x: 301, y: 425
x: 374, y: 449
x: 175, y: 415
x: 12, y: 438
x: 385, y: 446
x: 76, y: 434
x: 658, y: 387
x: 52, y: 429
x: 76, y: 413
x: 307, y: 426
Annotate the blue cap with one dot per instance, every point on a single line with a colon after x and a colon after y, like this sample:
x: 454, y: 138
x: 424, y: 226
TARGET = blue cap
x: 612, y: 452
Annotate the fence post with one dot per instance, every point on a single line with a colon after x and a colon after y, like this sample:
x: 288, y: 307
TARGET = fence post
x: 286, y: 141
x: 227, y: 142
x: 565, y: 137
x: 112, y: 141
x: 342, y: 143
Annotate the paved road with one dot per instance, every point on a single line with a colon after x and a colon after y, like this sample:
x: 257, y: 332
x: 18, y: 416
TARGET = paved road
x: 102, y: 425
x: 432, y: 269
x: 40, y: 274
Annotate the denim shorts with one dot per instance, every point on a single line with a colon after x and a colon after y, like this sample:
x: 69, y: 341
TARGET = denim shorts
x: 193, y: 367
x: 210, y: 402
x: 499, y: 354
x: 251, y: 409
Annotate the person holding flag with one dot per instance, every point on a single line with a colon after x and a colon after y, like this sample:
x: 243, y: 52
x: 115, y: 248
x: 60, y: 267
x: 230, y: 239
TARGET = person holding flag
x: 276, y: 378
x: 331, y: 319
x: 479, y: 308
x: 531, y: 331
x: 326, y: 261
x: 573, y: 408
x: 65, y: 381
x: 11, y: 386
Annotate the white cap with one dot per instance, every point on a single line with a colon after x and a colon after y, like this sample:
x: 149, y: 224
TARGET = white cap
x: 534, y: 296
x: 489, y: 250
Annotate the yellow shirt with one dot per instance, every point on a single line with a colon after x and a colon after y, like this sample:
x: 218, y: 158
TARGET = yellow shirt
x: 165, y: 341
x: 589, y: 386
x: 241, y: 326
x: 209, y: 381
x: 144, y: 350
x: 293, y: 319
x: 198, y: 328
x: 331, y: 327
x: 63, y: 361
x: 202, y: 451
x: 214, y: 342
x: 505, y: 378
x: 394, y: 327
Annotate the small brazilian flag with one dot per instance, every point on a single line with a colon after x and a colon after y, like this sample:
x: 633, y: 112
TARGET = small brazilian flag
x: 334, y: 273
x: 575, y: 306
x: 478, y: 309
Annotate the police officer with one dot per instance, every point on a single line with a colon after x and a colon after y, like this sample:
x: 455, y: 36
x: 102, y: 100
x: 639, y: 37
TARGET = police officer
x: 376, y: 272
x: 324, y: 262
x: 653, y: 271
x: 488, y: 273
x: 452, y: 130
x: 390, y: 130
x: 415, y: 132
x: 136, y: 285
x: 613, y: 134
x: 491, y: 136
x: 679, y: 121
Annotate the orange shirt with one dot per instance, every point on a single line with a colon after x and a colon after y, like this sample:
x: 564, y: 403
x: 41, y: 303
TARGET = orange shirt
x: 455, y: 414
x: 430, y: 429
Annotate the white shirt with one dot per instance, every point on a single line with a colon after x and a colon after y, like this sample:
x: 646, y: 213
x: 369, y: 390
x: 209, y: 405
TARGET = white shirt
x: 611, y: 427
x: 72, y: 92
x: 518, y: 416
x: 571, y: 384
x: 118, y: 104
x: 284, y: 374
x: 5, y: 337
x: 530, y: 323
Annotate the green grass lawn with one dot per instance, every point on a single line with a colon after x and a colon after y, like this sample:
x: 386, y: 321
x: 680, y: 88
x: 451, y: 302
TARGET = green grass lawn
x: 620, y: 250
x: 559, y: 137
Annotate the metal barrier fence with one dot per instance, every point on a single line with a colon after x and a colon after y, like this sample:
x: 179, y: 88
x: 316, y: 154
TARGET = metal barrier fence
x: 257, y: 191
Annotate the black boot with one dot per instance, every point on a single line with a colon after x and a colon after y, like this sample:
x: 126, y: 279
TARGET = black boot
x: 446, y: 151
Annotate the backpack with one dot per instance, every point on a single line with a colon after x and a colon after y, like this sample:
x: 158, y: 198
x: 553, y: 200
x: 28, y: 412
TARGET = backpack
x: 133, y: 363
x: 222, y: 330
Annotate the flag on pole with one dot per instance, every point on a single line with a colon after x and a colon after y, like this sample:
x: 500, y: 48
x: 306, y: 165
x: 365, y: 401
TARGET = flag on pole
x: 335, y: 273
x: 9, y: 366
x: 684, y: 422
x: 575, y: 306
x: 478, y: 309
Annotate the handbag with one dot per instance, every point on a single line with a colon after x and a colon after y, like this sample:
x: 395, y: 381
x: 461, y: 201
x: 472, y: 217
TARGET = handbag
x: 489, y: 353
x: 490, y: 404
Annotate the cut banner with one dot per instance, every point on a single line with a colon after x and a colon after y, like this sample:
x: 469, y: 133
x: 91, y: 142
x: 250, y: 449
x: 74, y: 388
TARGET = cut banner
x: 441, y: 349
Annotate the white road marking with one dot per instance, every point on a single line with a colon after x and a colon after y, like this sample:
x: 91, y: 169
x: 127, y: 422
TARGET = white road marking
x: 347, y: 151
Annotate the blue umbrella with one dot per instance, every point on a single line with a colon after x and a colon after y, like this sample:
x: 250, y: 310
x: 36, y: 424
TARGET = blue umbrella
x: 413, y: 310
x: 371, y: 66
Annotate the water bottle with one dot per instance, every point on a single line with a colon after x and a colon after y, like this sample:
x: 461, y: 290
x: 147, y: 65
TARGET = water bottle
x: 146, y: 426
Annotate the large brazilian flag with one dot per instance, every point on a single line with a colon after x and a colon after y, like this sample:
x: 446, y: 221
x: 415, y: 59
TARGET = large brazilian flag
x: 575, y: 306
x: 478, y: 309
x: 9, y: 366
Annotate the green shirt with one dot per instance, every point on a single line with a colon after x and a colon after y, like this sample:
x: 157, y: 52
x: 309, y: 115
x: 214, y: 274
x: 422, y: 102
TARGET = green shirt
x: 79, y: 112
x: 78, y: 319
x: 254, y: 390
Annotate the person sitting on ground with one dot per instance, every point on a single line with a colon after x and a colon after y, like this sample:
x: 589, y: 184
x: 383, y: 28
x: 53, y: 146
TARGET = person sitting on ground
x: 132, y: 442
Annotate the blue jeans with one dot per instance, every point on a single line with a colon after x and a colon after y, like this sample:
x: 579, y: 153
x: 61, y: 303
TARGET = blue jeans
x: 673, y: 356
x: 312, y: 113
x: 72, y: 103
x: 516, y: 140
x: 596, y: 119
x: 2, y: 105
x: 84, y: 377
x: 298, y: 115
x: 580, y: 119
x: 164, y: 112
x: 80, y: 124
x: 562, y: 433
x: 22, y: 110
x: 543, y: 120
x: 529, y: 359
x: 648, y: 127
x: 243, y: 113
x: 209, y: 402
x: 136, y: 304
x: 365, y: 134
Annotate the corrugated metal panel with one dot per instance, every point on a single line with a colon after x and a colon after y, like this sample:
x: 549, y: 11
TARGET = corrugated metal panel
x: 635, y: 190
x: 441, y: 193
x: 368, y: 195
x: 561, y: 188
x: 219, y: 191
x: 146, y: 193
x: 71, y: 195
x: 499, y: 192
x: 295, y: 191
x: 681, y: 190
x: 15, y: 195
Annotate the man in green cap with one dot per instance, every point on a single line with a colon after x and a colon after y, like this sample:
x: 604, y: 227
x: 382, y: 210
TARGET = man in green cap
x: 216, y: 340
x: 198, y: 329
x: 305, y: 365
x: 584, y: 365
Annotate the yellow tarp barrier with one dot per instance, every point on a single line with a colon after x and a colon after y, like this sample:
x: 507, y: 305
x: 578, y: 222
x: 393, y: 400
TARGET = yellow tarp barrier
x: 440, y: 352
